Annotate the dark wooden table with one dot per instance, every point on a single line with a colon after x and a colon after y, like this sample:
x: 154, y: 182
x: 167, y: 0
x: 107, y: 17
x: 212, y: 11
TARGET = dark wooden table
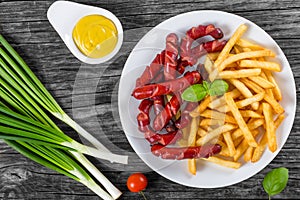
x: 88, y: 94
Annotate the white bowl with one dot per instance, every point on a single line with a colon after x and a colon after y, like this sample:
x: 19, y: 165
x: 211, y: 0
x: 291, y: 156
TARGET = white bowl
x: 63, y: 16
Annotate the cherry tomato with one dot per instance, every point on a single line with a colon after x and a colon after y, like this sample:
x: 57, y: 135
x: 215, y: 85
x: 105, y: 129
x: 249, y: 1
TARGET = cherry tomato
x: 137, y: 182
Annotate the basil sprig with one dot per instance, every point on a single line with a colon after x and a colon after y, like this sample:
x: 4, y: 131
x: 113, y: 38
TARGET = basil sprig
x: 275, y: 181
x: 197, y: 92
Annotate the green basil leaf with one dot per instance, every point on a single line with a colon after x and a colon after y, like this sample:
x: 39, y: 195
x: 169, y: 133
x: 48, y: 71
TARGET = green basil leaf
x: 194, y: 93
x: 218, y: 87
x: 275, y: 181
x: 206, y: 85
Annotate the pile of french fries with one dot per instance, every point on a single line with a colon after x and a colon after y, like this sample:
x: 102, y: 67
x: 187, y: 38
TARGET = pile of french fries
x: 245, y: 119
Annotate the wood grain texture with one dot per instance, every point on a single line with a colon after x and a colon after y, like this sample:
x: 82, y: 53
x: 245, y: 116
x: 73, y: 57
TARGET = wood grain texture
x: 91, y: 99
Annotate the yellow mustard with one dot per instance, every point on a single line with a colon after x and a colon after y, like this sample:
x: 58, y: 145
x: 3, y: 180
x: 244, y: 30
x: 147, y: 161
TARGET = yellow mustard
x: 95, y: 36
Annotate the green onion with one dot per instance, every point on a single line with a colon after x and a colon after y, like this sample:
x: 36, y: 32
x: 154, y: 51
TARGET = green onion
x: 27, y: 84
x: 13, y: 124
x: 25, y: 126
x: 60, y: 162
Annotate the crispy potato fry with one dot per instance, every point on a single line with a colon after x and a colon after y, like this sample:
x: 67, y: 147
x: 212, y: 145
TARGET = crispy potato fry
x: 192, y: 166
x: 224, y: 152
x: 242, y: 73
x: 229, y: 142
x: 237, y: 49
x: 270, y: 128
x: 244, y: 55
x: 250, y: 113
x: 244, y: 90
x: 262, y: 82
x: 208, y: 65
x: 242, y: 124
x: 202, y: 106
x: 185, y: 132
x: 276, y: 90
x: 217, y: 115
x: 222, y: 109
x: 252, y: 125
x: 211, y: 122
x: 248, y: 44
x: 221, y: 101
x: 252, y: 99
x: 268, y: 91
x: 278, y: 121
x: 258, y: 151
x: 234, y: 38
x: 201, y: 132
x: 275, y: 105
x: 215, y: 133
x: 272, y: 66
x: 248, y: 154
x: 225, y: 163
x: 191, y: 142
x: 243, y: 147
x: 213, y: 56
x: 193, y: 132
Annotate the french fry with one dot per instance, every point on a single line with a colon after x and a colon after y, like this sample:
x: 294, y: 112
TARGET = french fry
x: 251, y: 125
x: 224, y: 152
x: 278, y: 121
x: 225, y: 163
x: 258, y: 151
x: 213, y: 56
x: 262, y: 82
x: 270, y: 129
x: 275, y: 105
x: 242, y: 124
x: 191, y: 142
x: 208, y: 65
x: 215, y: 133
x: 252, y: 99
x: 272, y: 66
x: 185, y: 132
x: 222, y: 109
x: 244, y: 55
x: 248, y: 44
x: 268, y: 91
x: 217, y: 115
x: 250, y: 113
x: 225, y: 51
x: 193, y: 132
x: 248, y: 154
x: 236, y: 49
x: 211, y: 122
x: 242, y: 73
x: 221, y: 101
x: 192, y: 166
x: 229, y: 142
x: 201, y: 107
x: 201, y: 132
x: 243, y: 147
x: 244, y: 90
x: 276, y: 90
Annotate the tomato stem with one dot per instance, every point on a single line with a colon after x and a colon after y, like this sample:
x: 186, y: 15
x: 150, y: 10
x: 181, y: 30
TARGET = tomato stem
x: 142, y: 193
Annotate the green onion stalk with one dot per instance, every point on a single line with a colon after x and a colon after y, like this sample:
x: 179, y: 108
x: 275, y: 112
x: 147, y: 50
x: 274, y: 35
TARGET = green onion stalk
x: 25, y: 81
x: 28, y: 129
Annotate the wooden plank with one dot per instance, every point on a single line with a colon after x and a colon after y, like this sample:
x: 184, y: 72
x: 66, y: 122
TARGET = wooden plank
x: 25, y: 25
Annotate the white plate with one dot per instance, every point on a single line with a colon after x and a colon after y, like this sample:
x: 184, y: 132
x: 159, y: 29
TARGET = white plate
x: 209, y: 175
x: 64, y: 15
